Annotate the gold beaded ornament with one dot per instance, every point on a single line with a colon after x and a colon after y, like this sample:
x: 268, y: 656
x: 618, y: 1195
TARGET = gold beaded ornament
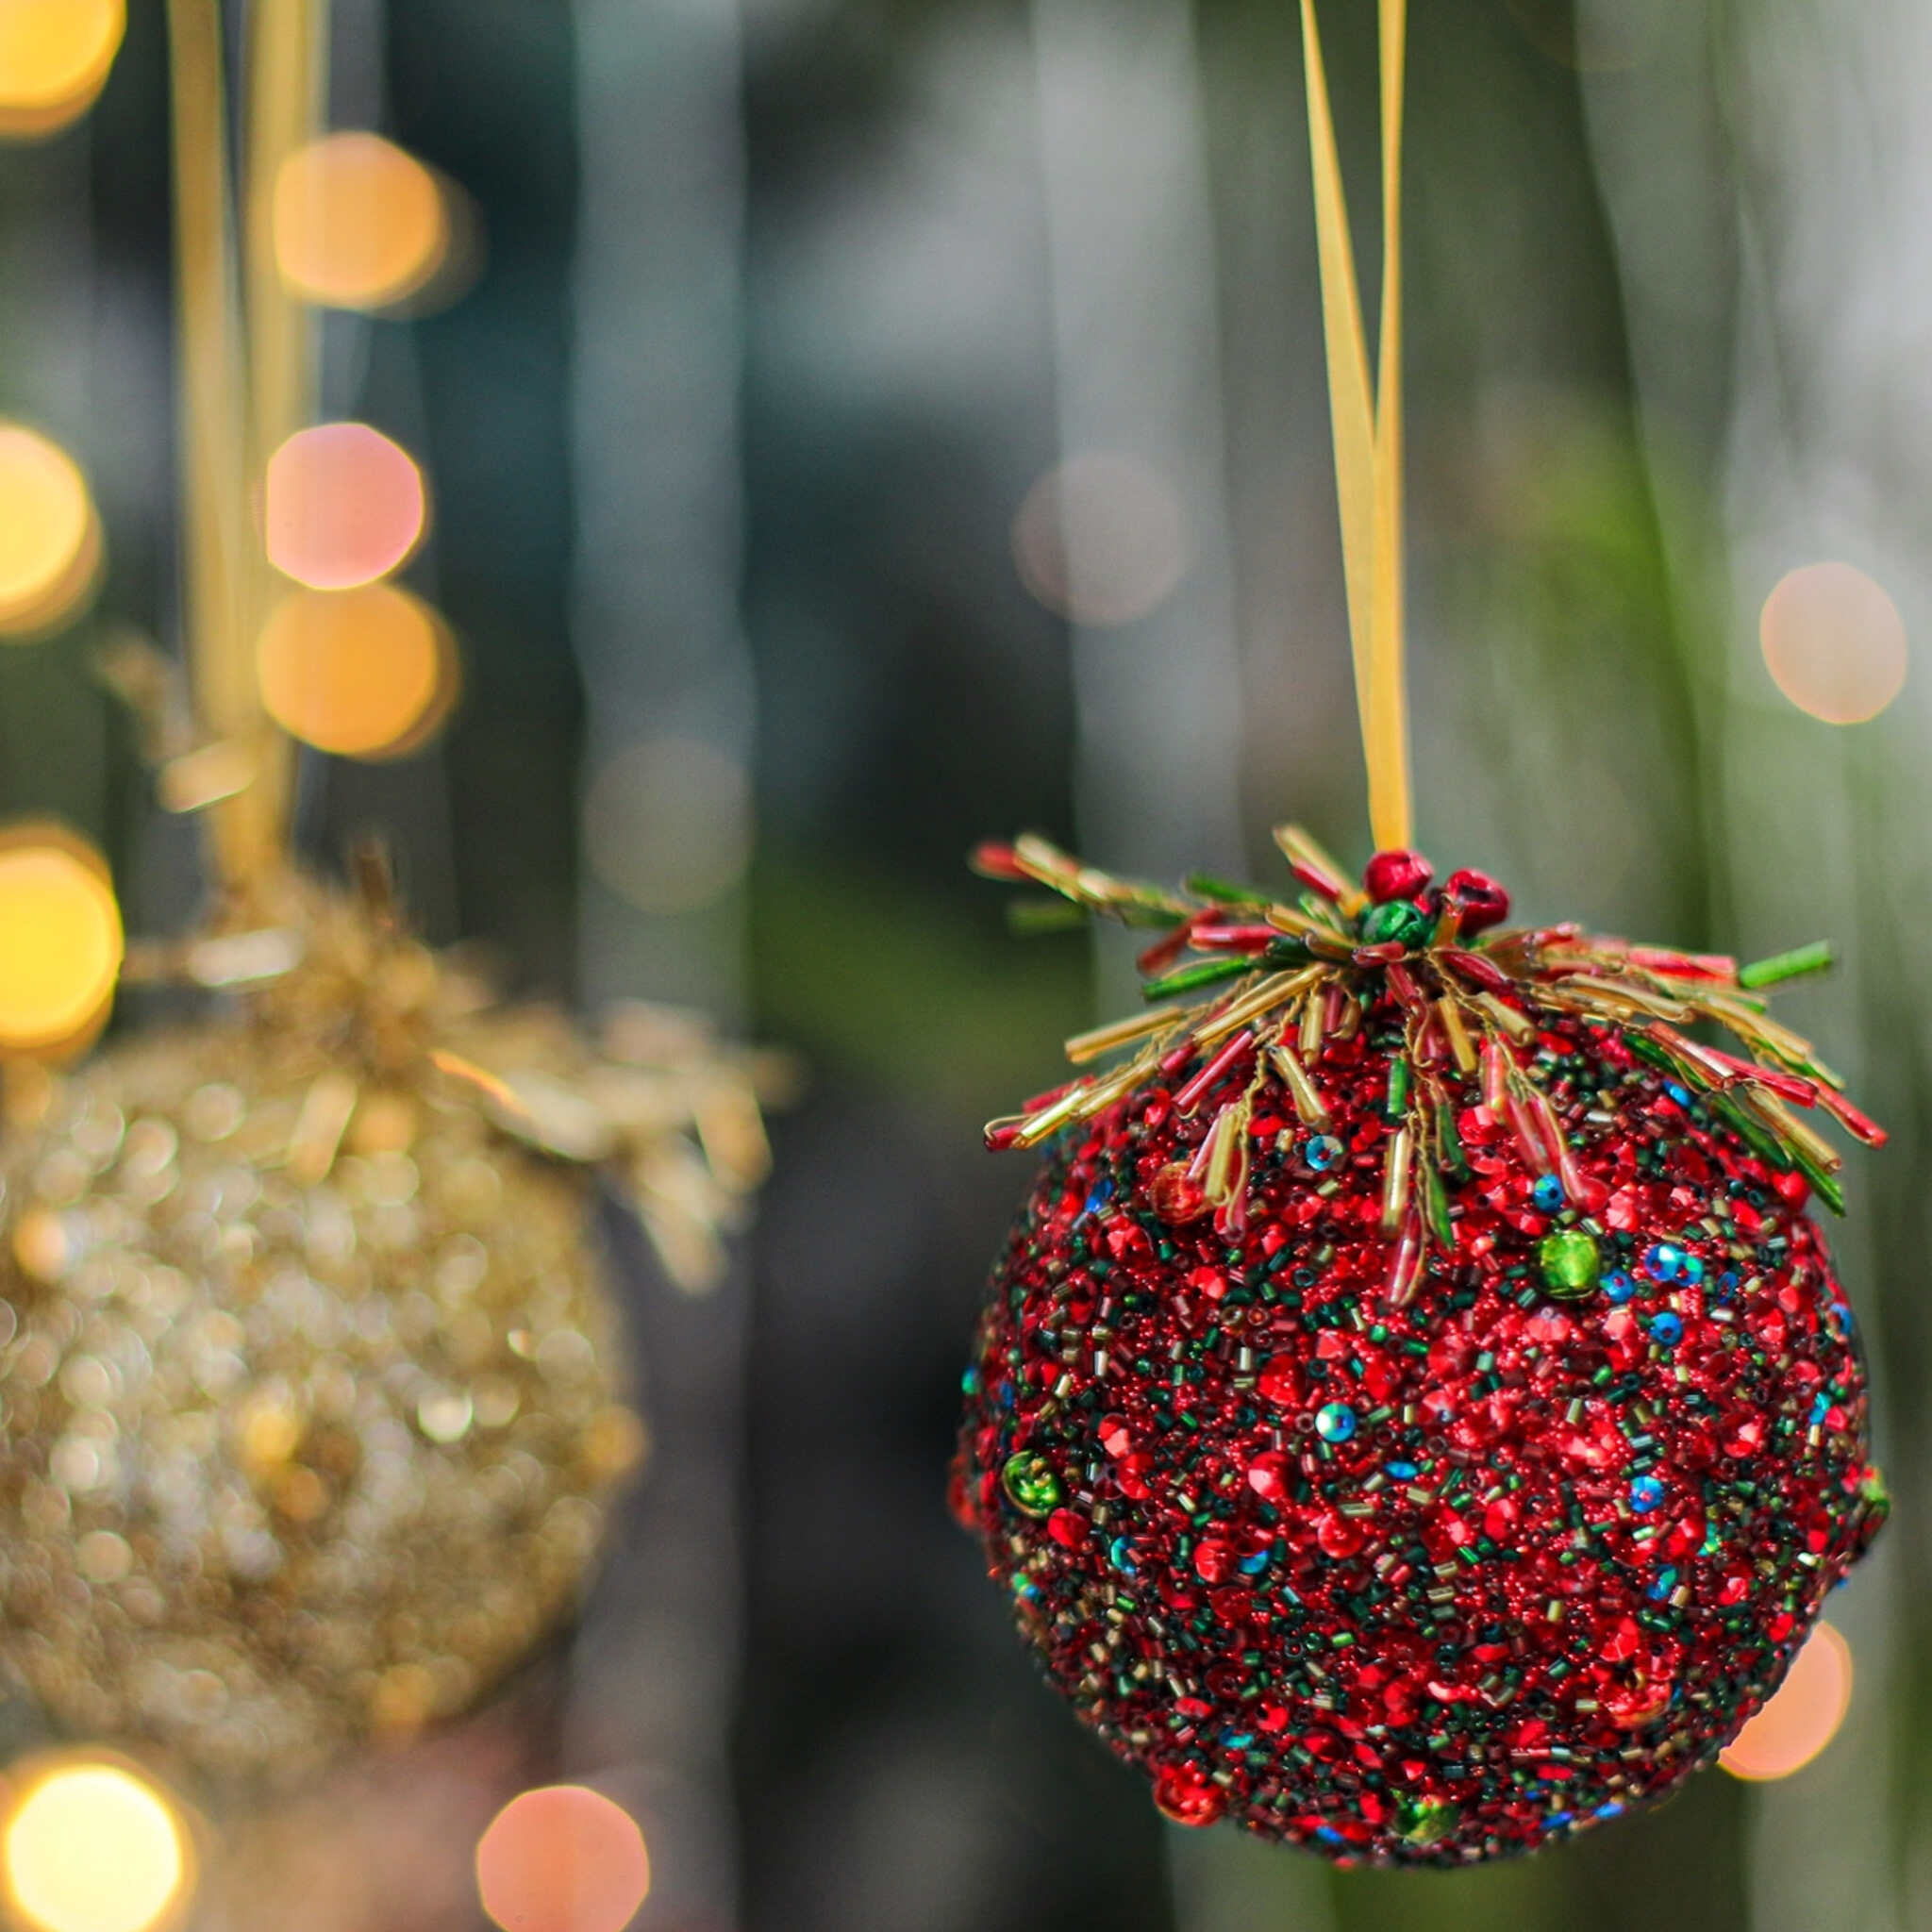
x: 313, y: 1400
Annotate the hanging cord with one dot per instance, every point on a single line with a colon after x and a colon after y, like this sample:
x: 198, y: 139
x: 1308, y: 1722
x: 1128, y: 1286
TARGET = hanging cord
x: 226, y: 432
x: 1366, y: 415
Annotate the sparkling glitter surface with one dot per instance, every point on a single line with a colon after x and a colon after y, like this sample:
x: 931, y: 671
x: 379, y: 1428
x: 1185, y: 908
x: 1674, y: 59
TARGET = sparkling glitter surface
x: 296, y: 1450
x: 1439, y: 1575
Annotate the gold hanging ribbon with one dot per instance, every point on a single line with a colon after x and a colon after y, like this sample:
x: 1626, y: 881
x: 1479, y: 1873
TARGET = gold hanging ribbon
x: 1366, y: 415
x: 243, y: 387
x: 217, y: 547
x: 288, y: 84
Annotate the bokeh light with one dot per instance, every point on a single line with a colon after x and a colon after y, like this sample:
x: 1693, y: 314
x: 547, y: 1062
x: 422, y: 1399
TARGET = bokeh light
x: 365, y: 674
x: 359, y: 223
x: 60, y: 938
x: 1102, y: 540
x: 667, y: 823
x: 563, y: 1859
x: 341, y: 506
x: 1834, y: 642
x: 1803, y: 1716
x: 92, y: 1846
x: 55, y: 56
x: 50, y: 539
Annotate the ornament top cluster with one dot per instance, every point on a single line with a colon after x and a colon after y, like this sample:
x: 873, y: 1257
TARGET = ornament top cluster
x: 1239, y: 980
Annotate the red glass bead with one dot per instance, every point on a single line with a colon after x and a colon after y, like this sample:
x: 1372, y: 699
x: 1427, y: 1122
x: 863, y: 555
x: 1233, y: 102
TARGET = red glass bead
x: 1176, y: 1197
x: 1187, y: 1799
x: 1268, y: 1476
x: 1067, y: 1527
x: 1213, y: 1560
x: 1392, y: 876
x: 1482, y: 902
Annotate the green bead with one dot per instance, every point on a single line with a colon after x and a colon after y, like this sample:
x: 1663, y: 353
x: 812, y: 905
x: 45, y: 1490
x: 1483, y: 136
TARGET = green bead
x: 1030, y: 1483
x: 1570, y: 1262
x: 1397, y: 920
x: 1425, y: 1820
x: 1875, y: 1497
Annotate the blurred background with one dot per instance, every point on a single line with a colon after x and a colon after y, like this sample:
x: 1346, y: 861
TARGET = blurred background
x: 853, y: 427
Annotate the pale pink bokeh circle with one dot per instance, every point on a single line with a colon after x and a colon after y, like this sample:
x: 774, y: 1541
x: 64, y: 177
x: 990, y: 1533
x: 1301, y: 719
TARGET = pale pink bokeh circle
x: 341, y: 506
x: 1834, y: 642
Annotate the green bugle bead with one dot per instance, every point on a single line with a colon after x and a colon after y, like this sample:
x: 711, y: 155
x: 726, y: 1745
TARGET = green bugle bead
x: 1816, y: 957
x: 1192, y: 978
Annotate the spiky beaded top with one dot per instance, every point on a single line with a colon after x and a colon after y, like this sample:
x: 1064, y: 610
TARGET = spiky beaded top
x: 1414, y: 1414
x: 1284, y: 978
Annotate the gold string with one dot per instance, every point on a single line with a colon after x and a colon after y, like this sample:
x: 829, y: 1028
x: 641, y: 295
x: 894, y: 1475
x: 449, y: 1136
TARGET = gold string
x: 216, y: 546
x: 1367, y: 422
x: 287, y: 81
x: 242, y: 393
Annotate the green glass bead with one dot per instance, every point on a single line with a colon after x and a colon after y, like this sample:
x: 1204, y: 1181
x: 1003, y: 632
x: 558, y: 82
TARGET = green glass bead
x: 1030, y: 1483
x: 1407, y: 926
x: 1425, y: 1820
x: 1876, y: 1499
x: 1570, y: 1263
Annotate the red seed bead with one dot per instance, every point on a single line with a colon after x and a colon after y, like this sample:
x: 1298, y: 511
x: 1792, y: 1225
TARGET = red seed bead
x: 1481, y: 901
x: 1067, y: 1527
x: 1176, y: 1197
x: 1396, y: 875
x: 1187, y: 1799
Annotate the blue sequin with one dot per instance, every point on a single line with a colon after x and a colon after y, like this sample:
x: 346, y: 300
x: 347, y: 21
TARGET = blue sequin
x: 1547, y: 1193
x: 1253, y: 1566
x: 1646, y: 1494
x: 1613, y: 1809
x: 1678, y: 1091
x: 1328, y: 1835
x: 1402, y: 1472
x: 1119, y: 1552
x: 1666, y: 1328
x: 969, y: 1382
x: 1323, y: 1152
x: 1664, y: 1262
x: 1694, y: 1269
x: 1335, y: 1422
x: 1820, y: 1404
x: 1666, y: 1582
x: 1618, y: 1288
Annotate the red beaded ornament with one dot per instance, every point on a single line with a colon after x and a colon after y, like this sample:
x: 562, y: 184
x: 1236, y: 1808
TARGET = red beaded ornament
x: 1415, y: 1415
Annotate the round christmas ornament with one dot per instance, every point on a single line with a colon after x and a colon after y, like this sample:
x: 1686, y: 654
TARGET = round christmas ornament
x: 1415, y: 1415
x: 312, y: 1399
x: 314, y: 1396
